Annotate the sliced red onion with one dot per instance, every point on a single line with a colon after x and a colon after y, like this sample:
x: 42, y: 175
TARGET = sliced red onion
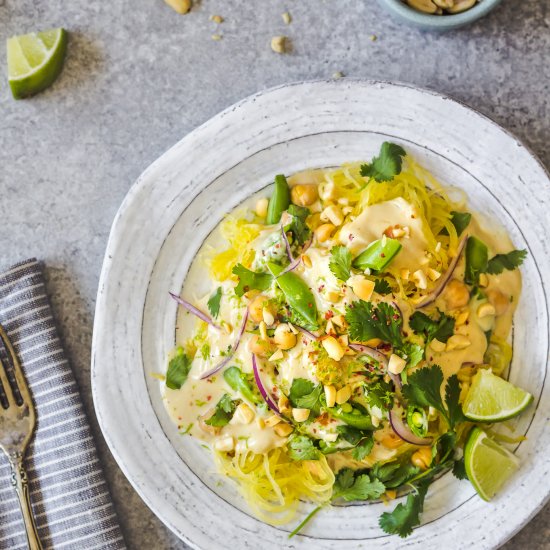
x: 433, y: 295
x: 374, y: 353
x: 195, y: 311
x: 290, y: 267
x: 404, y: 432
x: 265, y: 393
x: 306, y: 332
x: 287, y: 244
x: 232, y: 351
x: 396, y: 379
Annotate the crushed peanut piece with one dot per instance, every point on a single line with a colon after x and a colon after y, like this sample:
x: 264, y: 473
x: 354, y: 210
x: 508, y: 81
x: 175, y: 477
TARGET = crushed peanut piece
x: 216, y: 19
x: 216, y: 37
x: 278, y: 44
x: 286, y: 18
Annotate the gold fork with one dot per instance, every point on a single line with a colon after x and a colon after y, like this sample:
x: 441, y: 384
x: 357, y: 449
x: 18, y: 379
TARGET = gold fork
x: 17, y: 424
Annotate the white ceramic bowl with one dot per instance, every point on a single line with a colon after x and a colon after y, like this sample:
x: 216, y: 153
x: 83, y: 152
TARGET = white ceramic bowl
x: 181, y: 197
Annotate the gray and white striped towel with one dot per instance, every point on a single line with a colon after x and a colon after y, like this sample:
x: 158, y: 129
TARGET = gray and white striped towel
x: 71, y: 501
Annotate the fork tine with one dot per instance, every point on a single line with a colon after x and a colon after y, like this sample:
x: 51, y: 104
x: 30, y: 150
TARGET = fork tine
x: 19, y: 376
x: 6, y: 384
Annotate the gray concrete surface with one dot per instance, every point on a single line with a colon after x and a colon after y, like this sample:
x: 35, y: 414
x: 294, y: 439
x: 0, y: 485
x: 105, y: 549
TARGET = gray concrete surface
x: 138, y: 77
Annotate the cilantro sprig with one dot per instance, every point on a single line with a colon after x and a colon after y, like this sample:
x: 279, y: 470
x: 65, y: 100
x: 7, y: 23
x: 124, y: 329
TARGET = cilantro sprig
x: 250, y: 280
x: 423, y: 389
x: 382, y: 287
x: 301, y: 447
x: 497, y: 264
x: 386, y: 165
x: 178, y: 370
x: 223, y: 412
x: 440, y: 329
x: 214, y: 302
x: 340, y: 262
x: 382, y: 321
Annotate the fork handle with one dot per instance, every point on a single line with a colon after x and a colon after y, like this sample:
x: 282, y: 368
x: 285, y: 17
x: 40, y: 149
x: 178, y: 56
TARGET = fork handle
x: 20, y: 482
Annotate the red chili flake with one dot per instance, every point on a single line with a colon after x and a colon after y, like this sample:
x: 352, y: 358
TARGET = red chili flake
x: 329, y: 315
x: 180, y: 418
x: 310, y: 304
x: 320, y: 289
x: 382, y: 255
x: 431, y: 357
x: 314, y: 430
x: 351, y: 237
x: 208, y: 397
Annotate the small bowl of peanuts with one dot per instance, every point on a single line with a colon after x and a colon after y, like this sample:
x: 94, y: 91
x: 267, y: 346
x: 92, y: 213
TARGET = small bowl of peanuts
x: 439, y: 15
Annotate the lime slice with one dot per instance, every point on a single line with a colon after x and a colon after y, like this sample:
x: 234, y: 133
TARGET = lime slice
x: 35, y: 61
x: 492, y: 399
x: 488, y: 465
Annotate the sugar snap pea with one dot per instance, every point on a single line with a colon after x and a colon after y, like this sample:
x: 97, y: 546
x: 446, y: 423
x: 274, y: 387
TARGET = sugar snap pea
x: 356, y: 418
x: 298, y: 295
x: 477, y: 258
x: 279, y: 201
x: 377, y: 255
x: 237, y: 381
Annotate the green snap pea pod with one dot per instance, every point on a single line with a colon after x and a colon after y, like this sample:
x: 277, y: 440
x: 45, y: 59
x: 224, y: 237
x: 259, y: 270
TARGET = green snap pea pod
x: 237, y: 381
x: 279, y: 201
x: 377, y: 255
x: 355, y: 419
x: 417, y: 421
x: 477, y: 259
x: 298, y: 295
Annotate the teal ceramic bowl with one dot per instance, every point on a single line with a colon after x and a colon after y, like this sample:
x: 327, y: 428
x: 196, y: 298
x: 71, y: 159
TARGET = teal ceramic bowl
x: 438, y: 22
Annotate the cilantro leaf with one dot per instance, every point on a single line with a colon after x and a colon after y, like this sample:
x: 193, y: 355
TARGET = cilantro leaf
x: 223, y: 413
x: 381, y: 286
x: 178, y: 370
x: 405, y: 516
x: 380, y: 395
x: 497, y: 264
x: 304, y: 394
x: 423, y: 388
x: 344, y: 479
x: 340, y: 262
x: 214, y: 302
x: 250, y: 280
x: 394, y: 474
x: 362, y: 488
x: 452, y: 393
x: 298, y: 225
x: 363, y: 448
x: 350, y: 434
x: 386, y: 165
x: 441, y: 329
x: 301, y: 447
x: 459, y: 469
x: 461, y: 220
x: 367, y: 322
x: 413, y: 353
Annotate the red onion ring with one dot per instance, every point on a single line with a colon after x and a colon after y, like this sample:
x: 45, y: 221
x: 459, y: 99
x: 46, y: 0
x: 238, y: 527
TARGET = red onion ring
x: 232, y: 351
x: 306, y: 332
x: 433, y: 295
x: 265, y: 393
x: 195, y: 311
x: 374, y: 353
x: 290, y: 267
x: 404, y: 432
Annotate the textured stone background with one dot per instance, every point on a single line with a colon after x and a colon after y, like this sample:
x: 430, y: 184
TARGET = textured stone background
x: 139, y: 77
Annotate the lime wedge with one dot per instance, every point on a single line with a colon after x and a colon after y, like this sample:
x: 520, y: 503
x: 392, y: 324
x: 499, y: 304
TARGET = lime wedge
x: 488, y: 465
x: 492, y: 399
x: 35, y: 61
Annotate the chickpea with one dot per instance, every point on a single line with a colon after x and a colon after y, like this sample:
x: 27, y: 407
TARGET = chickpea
x: 324, y: 232
x: 422, y: 458
x: 456, y: 294
x: 260, y: 347
x: 256, y: 308
x: 284, y: 337
x: 304, y: 195
x: 498, y: 300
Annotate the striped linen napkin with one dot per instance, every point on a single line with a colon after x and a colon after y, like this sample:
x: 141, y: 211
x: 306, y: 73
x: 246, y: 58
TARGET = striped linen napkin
x: 71, y: 501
